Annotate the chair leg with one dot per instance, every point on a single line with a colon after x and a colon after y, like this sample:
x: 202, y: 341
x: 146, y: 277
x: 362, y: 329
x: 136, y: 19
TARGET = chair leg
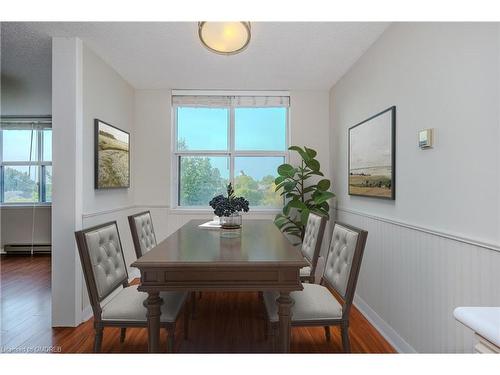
x: 186, y: 322
x: 123, y: 333
x: 199, y: 295
x: 170, y: 338
x: 193, y: 305
x: 273, y: 332
x: 328, y: 336
x: 98, y: 339
x: 344, y: 329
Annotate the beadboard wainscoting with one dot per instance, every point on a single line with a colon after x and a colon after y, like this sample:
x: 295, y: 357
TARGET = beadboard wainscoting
x: 412, y: 279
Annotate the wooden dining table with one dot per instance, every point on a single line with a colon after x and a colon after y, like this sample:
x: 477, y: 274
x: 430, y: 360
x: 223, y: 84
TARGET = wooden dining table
x: 261, y: 258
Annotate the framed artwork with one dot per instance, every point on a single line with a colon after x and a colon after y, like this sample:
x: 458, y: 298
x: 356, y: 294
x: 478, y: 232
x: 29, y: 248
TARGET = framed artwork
x: 372, y: 156
x: 112, y: 156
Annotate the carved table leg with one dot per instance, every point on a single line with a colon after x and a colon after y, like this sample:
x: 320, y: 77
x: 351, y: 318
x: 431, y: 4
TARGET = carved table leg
x: 153, y: 315
x: 285, y: 303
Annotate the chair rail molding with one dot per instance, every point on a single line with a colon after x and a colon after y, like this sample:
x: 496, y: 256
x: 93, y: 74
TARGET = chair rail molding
x: 443, y: 234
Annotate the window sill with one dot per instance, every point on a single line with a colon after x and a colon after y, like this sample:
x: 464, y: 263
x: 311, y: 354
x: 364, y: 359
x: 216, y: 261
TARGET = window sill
x: 24, y: 205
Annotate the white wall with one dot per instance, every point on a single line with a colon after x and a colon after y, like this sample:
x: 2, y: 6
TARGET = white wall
x: 309, y: 125
x: 420, y: 262
x: 16, y: 225
x: 67, y: 136
x: 108, y: 97
x: 85, y: 88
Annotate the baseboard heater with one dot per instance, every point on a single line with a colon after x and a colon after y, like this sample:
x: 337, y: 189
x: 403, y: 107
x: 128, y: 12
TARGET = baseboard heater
x: 26, y: 248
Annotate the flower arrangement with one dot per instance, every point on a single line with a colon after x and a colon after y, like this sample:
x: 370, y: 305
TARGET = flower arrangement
x: 227, y: 206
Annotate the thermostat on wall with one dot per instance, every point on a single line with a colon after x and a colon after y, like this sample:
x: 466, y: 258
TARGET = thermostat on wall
x: 425, y: 138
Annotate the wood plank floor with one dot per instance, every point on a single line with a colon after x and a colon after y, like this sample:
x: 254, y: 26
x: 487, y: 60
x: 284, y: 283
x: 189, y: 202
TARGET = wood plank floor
x: 226, y: 322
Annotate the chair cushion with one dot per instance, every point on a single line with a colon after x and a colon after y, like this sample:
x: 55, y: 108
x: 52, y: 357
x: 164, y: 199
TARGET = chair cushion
x: 311, y: 237
x: 145, y: 232
x: 339, y: 261
x: 128, y: 305
x: 315, y: 302
x: 106, y: 257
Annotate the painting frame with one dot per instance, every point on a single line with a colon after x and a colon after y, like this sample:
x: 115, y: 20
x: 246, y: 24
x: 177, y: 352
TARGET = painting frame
x: 97, y: 182
x: 392, y: 128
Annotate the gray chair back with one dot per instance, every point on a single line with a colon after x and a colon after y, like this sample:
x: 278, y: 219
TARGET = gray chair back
x: 143, y: 234
x: 311, y: 244
x: 344, y: 260
x: 102, y: 261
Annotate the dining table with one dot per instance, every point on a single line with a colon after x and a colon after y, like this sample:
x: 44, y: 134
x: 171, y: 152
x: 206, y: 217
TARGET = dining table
x: 257, y: 257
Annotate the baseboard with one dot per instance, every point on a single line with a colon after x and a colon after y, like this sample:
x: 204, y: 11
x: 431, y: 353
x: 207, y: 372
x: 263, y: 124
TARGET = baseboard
x: 87, y: 313
x: 397, y: 342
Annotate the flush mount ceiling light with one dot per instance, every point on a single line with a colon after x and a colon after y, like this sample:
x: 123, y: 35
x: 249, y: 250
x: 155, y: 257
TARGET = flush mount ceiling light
x: 225, y: 38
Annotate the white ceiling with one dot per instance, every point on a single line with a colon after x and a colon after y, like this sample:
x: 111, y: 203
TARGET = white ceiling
x: 153, y: 55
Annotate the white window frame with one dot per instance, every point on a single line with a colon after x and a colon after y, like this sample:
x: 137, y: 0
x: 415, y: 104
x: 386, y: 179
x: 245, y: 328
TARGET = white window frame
x: 37, y: 163
x: 231, y: 153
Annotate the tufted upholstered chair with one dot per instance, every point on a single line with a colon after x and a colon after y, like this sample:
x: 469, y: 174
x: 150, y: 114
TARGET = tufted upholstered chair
x: 143, y: 233
x: 114, y: 302
x: 316, y: 304
x: 311, y: 245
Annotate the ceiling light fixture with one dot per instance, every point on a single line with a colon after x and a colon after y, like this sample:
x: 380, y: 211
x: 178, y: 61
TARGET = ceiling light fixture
x: 224, y: 38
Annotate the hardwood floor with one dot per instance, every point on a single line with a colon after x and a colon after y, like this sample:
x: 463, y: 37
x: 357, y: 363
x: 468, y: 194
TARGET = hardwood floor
x: 226, y: 322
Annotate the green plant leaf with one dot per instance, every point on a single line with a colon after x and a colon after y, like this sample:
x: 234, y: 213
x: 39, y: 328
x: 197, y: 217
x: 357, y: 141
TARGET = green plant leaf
x: 297, y: 204
x: 313, y: 164
x: 288, y: 186
x: 286, y: 170
x: 312, y: 153
x: 279, y: 186
x: 325, y: 206
x: 309, y: 189
x: 317, y: 173
x: 304, y: 215
x: 324, y: 184
x: 280, y: 220
x: 302, y: 153
x: 286, y: 209
x: 323, y: 197
x: 278, y: 180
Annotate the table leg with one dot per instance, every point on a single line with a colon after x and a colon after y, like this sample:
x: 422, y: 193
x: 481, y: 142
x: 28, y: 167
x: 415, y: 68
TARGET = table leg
x: 285, y: 317
x: 153, y: 315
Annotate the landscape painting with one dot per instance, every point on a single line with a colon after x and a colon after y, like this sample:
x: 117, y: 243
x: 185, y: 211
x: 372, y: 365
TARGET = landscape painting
x: 372, y: 156
x: 112, y: 156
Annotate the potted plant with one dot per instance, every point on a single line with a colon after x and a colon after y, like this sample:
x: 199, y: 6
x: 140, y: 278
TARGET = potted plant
x: 303, y: 198
x: 229, y: 208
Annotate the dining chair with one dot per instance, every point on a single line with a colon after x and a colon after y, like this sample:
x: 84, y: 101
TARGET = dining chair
x: 114, y: 302
x: 311, y: 245
x: 144, y: 238
x: 143, y: 233
x: 316, y: 305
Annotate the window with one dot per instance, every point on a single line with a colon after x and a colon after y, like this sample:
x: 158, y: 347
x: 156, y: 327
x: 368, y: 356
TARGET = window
x: 222, y: 139
x: 25, y: 161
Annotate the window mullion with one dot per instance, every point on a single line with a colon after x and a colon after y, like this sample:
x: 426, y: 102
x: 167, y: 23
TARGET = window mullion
x: 2, y: 183
x: 231, y: 144
x: 41, y: 170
